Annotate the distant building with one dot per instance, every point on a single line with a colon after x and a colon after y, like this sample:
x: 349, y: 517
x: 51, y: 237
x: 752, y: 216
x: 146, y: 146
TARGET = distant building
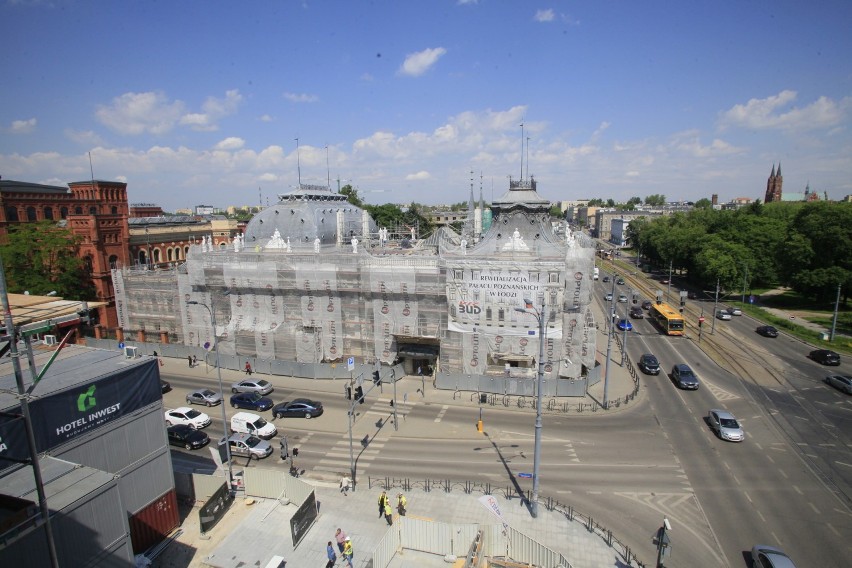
x: 735, y: 203
x: 145, y: 210
x: 774, y: 194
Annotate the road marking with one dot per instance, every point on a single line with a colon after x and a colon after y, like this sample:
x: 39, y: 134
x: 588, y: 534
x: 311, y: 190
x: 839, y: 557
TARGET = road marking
x: 799, y: 491
x: 441, y: 414
x: 720, y: 393
x: 814, y: 508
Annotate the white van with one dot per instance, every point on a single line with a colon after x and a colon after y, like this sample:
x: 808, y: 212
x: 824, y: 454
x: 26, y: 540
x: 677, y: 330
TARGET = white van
x: 248, y: 423
x: 597, y: 273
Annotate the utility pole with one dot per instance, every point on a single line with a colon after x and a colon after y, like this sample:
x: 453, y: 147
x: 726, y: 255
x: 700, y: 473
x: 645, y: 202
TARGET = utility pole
x: 610, y: 314
x: 834, y: 319
x: 669, y: 289
x: 715, y: 304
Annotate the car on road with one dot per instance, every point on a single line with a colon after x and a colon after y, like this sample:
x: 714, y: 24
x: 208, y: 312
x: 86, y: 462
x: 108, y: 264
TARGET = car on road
x: 767, y: 331
x: 723, y: 315
x: 251, y: 401
x: 165, y: 386
x: 649, y: 365
x: 206, y: 397
x: 188, y: 416
x: 261, y: 386
x: 187, y: 437
x: 725, y: 425
x: 297, y: 408
x: 620, y: 281
x: 843, y: 383
x: 765, y: 556
x: 249, y: 446
x: 624, y: 325
x: 622, y: 299
x: 608, y: 297
x: 684, y: 377
x: 825, y: 357
x: 735, y: 311
x: 606, y: 278
x: 637, y: 313
x: 646, y: 304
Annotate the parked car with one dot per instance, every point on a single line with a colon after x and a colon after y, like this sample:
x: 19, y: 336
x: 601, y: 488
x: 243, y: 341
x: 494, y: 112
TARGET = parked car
x: 206, y: 397
x: 767, y: 331
x: 725, y: 425
x: 649, y: 365
x: 826, y: 357
x: 765, y: 556
x: 646, y: 304
x: 249, y: 446
x: 299, y: 407
x: 188, y: 416
x: 622, y: 298
x: 723, y: 315
x: 842, y: 383
x: 165, y: 386
x: 735, y: 311
x: 186, y: 437
x: 620, y: 281
x: 683, y: 377
x: 624, y: 325
x: 251, y: 401
x: 261, y: 386
x: 637, y: 313
x: 608, y: 297
x: 692, y: 295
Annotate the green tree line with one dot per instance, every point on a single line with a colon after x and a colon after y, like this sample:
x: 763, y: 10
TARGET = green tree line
x: 806, y: 246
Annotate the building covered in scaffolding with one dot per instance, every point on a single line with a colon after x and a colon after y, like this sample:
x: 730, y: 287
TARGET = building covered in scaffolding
x: 313, y: 282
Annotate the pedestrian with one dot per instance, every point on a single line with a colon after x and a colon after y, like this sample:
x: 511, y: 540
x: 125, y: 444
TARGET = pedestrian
x: 401, y: 502
x: 332, y: 555
x: 345, y: 484
x: 348, y: 553
x: 248, y: 368
x: 383, y: 499
x: 189, y: 358
x: 194, y: 361
x: 340, y: 537
x: 419, y: 371
x: 388, y: 514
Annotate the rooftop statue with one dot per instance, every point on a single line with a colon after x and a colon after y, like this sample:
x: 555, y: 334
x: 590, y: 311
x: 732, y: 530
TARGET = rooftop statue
x: 276, y: 242
x: 516, y: 242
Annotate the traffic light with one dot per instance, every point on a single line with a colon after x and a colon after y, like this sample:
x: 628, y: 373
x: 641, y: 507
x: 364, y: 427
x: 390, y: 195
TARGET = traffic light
x: 359, y: 394
x: 376, y: 378
x: 348, y: 392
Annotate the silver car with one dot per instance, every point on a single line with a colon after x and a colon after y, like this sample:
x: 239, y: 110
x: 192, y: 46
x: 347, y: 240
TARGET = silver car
x: 843, y: 383
x: 249, y: 446
x: 260, y: 386
x: 723, y: 315
x: 725, y: 425
x: 765, y: 556
x: 206, y: 397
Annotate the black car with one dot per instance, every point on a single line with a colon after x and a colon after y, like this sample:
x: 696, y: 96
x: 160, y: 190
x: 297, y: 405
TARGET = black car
x: 646, y: 304
x: 606, y: 278
x: 767, y: 331
x: 683, y: 377
x: 620, y: 281
x: 187, y: 437
x: 826, y: 357
x: 649, y: 364
x: 251, y: 401
x: 164, y: 386
x: 300, y: 407
x: 636, y: 313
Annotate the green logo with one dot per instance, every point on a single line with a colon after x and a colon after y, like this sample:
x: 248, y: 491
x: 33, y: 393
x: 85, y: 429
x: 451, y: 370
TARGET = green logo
x: 86, y: 400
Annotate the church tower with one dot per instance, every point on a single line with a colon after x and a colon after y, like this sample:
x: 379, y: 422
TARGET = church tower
x: 773, y: 185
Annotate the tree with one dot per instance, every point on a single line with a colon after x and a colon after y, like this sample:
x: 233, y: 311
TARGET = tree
x: 351, y: 195
x: 655, y: 200
x: 703, y: 203
x: 43, y: 257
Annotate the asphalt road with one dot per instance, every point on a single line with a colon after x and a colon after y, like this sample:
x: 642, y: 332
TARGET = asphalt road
x: 786, y: 485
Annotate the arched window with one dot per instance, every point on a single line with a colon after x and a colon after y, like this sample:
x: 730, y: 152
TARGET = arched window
x: 113, y: 260
x: 48, y: 212
x: 11, y: 214
x: 142, y: 259
x: 156, y: 256
x: 31, y: 214
x: 78, y: 210
x: 185, y: 251
x: 114, y: 210
x: 63, y: 212
x: 169, y: 254
x: 93, y: 210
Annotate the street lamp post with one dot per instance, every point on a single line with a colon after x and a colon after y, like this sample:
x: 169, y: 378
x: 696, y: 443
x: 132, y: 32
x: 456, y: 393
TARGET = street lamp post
x: 221, y: 391
x: 539, y: 379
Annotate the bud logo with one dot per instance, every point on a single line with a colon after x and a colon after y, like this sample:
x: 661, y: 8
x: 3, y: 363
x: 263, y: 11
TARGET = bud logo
x: 86, y: 400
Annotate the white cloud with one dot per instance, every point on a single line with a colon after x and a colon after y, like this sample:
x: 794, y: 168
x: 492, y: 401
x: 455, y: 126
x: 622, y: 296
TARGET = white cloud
x: 23, y: 126
x: 138, y: 113
x: 300, y: 97
x: 214, y: 110
x: 230, y: 143
x: 83, y: 137
x: 266, y: 118
x: 416, y: 64
x: 544, y: 15
x: 775, y: 112
x: 421, y: 175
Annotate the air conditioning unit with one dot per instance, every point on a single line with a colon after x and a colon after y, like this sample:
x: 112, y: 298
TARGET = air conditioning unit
x: 130, y: 352
x: 50, y: 340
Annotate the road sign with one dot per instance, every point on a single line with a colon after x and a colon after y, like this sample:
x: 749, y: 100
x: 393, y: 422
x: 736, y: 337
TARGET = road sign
x: 350, y: 364
x: 701, y: 319
x: 525, y: 475
x: 121, y: 345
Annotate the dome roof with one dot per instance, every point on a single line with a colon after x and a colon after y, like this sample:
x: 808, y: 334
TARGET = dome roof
x: 305, y: 214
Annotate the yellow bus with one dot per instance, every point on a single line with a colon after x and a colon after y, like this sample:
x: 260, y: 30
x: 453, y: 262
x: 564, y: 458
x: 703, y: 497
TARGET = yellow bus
x: 669, y: 320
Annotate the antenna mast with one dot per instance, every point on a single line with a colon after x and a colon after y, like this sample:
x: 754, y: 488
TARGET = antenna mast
x: 528, y: 157
x: 522, y: 151
x: 298, y: 164
x: 327, y: 169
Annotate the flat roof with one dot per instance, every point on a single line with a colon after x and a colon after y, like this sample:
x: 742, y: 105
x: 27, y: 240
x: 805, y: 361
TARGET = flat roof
x: 28, y: 308
x: 64, y: 482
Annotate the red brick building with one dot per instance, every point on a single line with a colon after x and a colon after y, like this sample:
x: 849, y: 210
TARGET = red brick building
x: 95, y: 210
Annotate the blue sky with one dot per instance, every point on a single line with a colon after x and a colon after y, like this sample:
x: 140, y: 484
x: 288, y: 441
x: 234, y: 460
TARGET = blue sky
x: 197, y: 102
